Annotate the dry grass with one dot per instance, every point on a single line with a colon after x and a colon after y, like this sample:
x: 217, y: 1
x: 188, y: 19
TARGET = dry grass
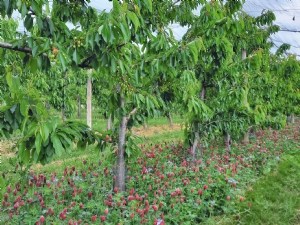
x: 6, y: 149
x: 155, y: 130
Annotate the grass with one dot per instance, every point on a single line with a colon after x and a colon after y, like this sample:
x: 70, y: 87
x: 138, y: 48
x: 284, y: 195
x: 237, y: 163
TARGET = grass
x: 273, y: 200
x: 276, y: 197
x: 99, y: 123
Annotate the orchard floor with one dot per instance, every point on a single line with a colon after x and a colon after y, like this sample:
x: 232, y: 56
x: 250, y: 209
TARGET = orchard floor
x: 273, y: 197
x: 272, y: 200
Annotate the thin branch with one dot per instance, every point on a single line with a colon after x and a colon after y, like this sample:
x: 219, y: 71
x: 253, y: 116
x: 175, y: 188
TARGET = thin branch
x: 84, y: 64
x: 292, y: 31
x: 132, y: 112
x: 87, y: 61
x: 11, y: 47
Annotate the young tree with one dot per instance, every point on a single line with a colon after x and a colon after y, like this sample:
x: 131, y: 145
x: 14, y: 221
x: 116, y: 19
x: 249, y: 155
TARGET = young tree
x: 118, y: 44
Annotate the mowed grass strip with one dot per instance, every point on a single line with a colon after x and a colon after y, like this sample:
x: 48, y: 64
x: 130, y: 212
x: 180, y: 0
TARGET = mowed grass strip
x: 275, y: 198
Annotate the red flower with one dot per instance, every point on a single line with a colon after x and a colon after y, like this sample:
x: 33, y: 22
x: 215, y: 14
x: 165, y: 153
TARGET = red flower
x: 200, y: 192
x: 103, y: 218
x: 94, y: 218
x: 106, y: 211
x: 155, y: 207
x: 42, y: 219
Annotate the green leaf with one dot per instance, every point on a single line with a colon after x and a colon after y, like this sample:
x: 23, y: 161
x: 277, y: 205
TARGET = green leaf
x: 121, y: 66
x: 116, y: 6
x: 23, y: 153
x: 38, y: 143
x: 76, y: 57
x: 100, y: 29
x: 9, y: 79
x: 28, y: 22
x: 148, y: 4
x: 34, y: 50
x: 24, y: 9
x: 134, y: 19
x: 125, y: 31
x: 113, y: 65
x: 57, y: 144
x: 7, y: 5
x: 62, y: 60
x: 44, y: 131
x: 106, y: 33
x: 33, y: 64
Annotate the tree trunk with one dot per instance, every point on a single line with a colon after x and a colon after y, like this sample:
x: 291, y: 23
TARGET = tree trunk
x: 47, y: 105
x: 228, y: 142
x: 203, y: 92
x: 246, y: 137
x: 120, y: 172
x: 244, y: 54
x: 78, y: 106
x: 89, y: 100
x: 145, y: 125
x: 291, y: 118
x: 109, y: 123
x: 196, y: 142
x: 170, y: 119
x: 195, y: 145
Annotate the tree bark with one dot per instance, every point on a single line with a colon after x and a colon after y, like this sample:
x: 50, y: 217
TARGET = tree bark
x: 145, y: 125
x: 203, y: 92
x: 78, y: 106
x: 170, y: 119
x: 195, y: 145
x: 291, y: 118
x: 228, y: 142
x: 244, y: 54
x: 120, y: 172
x: 109, y: 123
x: 196, y: 142
x: 10, y: 47
x: 246, y: 137
x: 120, y: 176
x: 89, y: 100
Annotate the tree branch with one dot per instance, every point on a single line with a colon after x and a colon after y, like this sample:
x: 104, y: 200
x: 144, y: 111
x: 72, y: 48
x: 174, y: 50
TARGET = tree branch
x: 132, y: 112
x: 292, y: 31
x: 87, y: 61
x: 11, y: 47
x: 175, y: 2
x: 84, y: 64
